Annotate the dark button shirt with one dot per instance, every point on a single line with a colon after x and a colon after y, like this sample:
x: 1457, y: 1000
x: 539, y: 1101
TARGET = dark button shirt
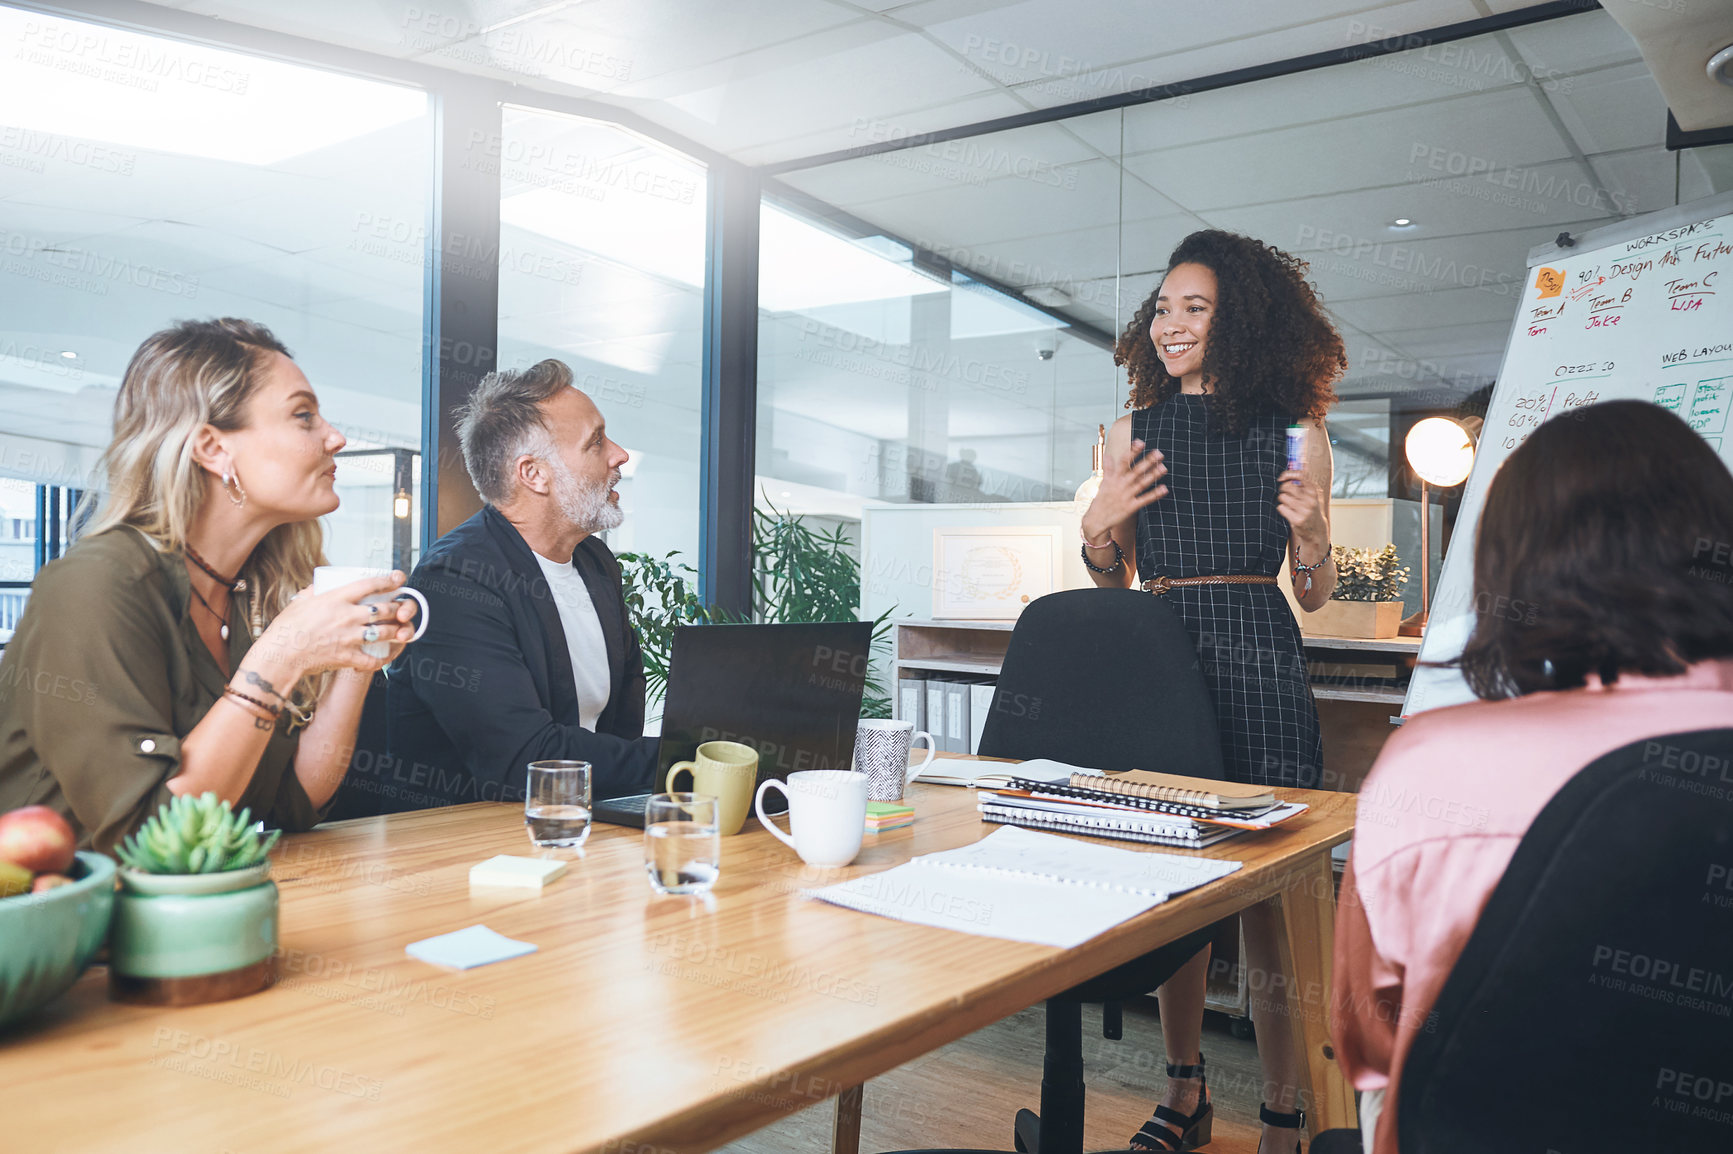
x: 104, y: 677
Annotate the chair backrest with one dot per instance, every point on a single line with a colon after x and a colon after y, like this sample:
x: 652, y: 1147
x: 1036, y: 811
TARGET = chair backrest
x: 365, y: 790
x: 1105, y: 678
x: 1592, y: 1008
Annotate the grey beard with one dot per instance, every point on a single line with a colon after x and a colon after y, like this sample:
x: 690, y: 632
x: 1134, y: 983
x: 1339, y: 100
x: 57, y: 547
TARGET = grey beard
x: 586, y: 506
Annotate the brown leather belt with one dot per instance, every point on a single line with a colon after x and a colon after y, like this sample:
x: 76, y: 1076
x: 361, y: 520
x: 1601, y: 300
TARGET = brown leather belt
x: 1160, y: 585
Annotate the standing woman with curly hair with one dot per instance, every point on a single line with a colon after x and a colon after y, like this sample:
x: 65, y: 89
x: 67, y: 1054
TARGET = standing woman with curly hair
x: 1198, y: 499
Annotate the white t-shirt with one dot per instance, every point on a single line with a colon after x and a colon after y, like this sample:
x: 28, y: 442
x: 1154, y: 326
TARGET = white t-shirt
x: 584, y: 640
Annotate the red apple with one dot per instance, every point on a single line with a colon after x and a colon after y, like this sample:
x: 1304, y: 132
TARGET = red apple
x: 46, y: 882
x: 38, y: 839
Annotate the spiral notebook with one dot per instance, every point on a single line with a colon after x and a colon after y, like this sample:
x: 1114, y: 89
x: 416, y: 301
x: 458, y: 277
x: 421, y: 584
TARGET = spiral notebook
x: 1026, y: 886
x: 1152, y: 828
x: 1203, y: 792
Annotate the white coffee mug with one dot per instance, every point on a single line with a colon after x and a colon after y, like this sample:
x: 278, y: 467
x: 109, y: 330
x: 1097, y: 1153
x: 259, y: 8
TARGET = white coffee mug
x: 329, y: 577
x: 881, y: 751
x: 826, y: 812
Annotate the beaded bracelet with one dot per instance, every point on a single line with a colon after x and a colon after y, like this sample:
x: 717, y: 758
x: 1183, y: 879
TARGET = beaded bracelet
x: 271, y: 709
x: 1329, y: 555
x: 1118, y: 561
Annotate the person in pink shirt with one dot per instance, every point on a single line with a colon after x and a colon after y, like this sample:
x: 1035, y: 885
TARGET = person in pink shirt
x: 1603, y: 580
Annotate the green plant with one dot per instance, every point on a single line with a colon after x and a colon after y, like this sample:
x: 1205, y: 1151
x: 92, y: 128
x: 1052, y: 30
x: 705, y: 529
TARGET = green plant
x: 662, y: 593
x: 1368, y: 574
x: 196, y: 835
x: 799, y: 574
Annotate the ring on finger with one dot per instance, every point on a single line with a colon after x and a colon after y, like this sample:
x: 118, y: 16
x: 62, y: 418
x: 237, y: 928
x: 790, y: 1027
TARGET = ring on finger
x: 369, y: 633
x: 373, y: 611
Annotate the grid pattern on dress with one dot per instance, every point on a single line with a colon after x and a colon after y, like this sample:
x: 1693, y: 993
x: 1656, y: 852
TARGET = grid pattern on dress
x: 1219, y: 517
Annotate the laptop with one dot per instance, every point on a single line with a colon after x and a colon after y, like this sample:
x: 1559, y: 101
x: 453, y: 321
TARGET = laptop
x: 792, y: 692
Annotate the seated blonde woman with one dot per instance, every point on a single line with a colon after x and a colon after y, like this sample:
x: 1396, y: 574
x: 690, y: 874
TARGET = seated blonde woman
x: 1604, y: 617
x: 176, y: 649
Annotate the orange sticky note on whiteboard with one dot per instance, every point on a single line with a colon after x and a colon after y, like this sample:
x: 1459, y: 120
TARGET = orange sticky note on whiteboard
x: 1550, y: 282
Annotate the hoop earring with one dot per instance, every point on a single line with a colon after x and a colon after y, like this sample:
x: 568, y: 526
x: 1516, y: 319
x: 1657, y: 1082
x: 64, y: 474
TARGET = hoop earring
x: 231, y: 486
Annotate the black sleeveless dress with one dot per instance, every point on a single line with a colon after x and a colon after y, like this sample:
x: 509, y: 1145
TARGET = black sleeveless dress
x: 1219, y: 516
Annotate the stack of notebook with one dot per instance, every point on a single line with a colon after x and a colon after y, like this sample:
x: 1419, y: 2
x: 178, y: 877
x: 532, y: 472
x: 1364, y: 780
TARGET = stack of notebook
x: 1134, y: 805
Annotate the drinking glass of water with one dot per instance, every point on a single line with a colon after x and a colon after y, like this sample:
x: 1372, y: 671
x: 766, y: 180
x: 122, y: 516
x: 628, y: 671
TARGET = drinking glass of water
x: 557, y: 803
x: 682, y: 842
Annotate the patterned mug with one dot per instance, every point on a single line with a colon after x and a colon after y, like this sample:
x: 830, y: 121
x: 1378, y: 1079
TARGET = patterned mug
x: 881, y: 751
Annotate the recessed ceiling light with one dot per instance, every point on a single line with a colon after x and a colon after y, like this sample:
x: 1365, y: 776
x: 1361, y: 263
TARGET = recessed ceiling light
x: 1721, y: 66
x: 69, y: 354
x: 1402, y: 222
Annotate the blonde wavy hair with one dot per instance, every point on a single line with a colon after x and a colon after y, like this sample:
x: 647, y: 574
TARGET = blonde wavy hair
x: 194, y: 374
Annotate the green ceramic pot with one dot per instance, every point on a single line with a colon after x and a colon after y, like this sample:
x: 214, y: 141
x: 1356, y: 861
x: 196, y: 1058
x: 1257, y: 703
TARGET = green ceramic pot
x: 189, y: 935
x: 47, y: 939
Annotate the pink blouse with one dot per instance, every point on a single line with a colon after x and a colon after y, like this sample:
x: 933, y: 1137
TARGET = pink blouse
x: 1440, y: 816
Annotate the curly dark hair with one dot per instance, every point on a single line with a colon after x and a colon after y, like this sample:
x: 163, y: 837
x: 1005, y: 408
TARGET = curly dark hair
x: 1270, y: 347
x: 1605, y: 547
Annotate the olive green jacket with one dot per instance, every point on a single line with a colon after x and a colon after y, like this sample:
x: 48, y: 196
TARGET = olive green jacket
x: 104, y: 677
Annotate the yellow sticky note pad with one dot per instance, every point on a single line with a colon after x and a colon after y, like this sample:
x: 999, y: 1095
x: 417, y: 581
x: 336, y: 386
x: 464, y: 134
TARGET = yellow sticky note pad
x: 530, y: 873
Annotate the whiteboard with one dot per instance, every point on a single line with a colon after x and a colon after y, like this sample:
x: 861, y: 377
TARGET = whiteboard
x: 1639, y: 310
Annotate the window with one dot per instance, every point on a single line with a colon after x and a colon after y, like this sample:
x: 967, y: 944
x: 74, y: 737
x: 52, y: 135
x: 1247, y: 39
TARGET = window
x: 147, y: 180
x: 601, y: 265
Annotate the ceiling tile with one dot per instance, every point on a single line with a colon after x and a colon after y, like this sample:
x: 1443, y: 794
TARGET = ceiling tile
x: 1245, y: 38
x: 1357, y: 152
x: 869, y: 130
x: 1612, y: 109
x: 1574, y: 44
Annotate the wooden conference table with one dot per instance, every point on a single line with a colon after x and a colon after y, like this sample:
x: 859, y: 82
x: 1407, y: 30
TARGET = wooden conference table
x: 641, y: 1025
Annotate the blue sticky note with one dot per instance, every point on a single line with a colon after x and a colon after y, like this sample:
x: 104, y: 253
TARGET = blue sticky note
x: 466, y: 949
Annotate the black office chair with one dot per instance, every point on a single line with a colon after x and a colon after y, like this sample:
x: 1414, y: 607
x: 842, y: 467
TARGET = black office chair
x: 1589, y: 1010
x: 1107, y: 678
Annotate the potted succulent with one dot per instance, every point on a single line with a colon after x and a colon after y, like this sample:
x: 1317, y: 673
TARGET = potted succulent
x: 1367, y: 601
x: 196, y: 918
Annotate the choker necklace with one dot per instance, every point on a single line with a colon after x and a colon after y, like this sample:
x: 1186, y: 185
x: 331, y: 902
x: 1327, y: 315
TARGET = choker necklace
x: 232, y: 584
x: 222, y: 623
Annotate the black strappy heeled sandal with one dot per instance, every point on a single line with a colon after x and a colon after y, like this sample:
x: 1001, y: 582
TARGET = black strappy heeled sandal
x: 1294, y: 1121
x: 1194, y: 1129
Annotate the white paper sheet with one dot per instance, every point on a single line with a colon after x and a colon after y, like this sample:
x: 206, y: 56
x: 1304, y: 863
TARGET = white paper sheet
x: 1026, y: 886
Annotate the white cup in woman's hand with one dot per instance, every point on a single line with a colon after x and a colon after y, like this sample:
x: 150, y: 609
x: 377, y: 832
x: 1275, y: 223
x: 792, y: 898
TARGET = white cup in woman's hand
x: 329, y: 577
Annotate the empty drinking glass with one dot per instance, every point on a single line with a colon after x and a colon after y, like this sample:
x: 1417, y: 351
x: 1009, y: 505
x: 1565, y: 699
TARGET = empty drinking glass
x: 557, y: 803
x: 682, y: 842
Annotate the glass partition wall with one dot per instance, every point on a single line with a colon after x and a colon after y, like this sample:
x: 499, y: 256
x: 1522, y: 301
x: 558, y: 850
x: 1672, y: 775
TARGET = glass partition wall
x: 935, y: 322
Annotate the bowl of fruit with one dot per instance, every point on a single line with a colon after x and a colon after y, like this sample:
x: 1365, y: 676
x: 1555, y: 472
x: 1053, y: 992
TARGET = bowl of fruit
x: 55, y: 906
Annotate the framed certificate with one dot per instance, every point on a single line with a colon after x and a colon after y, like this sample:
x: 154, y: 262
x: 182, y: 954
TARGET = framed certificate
x: 989, y: 574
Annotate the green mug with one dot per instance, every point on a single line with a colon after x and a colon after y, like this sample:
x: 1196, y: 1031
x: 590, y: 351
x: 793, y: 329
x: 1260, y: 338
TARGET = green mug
x: 727, y: 771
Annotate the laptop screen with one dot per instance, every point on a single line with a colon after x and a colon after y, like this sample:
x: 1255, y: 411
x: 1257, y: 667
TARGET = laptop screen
x: 792, y: 692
